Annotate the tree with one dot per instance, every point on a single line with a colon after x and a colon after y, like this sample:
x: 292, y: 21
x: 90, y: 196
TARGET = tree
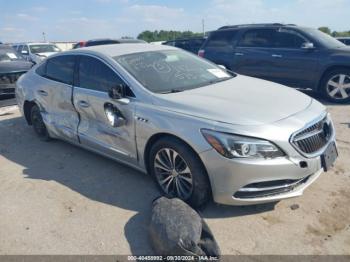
x: 325, y: 29
x: 164, y: 35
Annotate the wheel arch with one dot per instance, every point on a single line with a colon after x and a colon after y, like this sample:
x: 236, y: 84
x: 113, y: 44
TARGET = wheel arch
x: 328, y: 70
x: 154, y: 138
x: 27, y: 107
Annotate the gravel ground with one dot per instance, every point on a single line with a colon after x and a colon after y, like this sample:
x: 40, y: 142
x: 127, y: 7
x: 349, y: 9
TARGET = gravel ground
x: 56, y: 198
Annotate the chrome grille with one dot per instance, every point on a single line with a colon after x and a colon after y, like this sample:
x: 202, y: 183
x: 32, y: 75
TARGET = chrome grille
x: 314, y: 137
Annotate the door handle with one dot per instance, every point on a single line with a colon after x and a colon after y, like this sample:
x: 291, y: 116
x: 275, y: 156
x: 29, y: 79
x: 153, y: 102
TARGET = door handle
x: 239, y: 54
x: 83, y: 104
x: 42, y: 93
x: 276, y: 56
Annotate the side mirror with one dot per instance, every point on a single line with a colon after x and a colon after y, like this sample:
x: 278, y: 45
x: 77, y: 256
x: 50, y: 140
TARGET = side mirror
x: 307, y: 46
x: 24, y: 52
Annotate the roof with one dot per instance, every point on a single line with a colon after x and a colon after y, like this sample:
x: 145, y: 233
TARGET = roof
x: 253, y: 25
x: 122, y: 40
x: 34, y: 43
x: 124, y: 49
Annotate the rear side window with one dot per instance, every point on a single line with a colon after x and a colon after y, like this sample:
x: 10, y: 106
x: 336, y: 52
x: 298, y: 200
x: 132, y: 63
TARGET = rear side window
x: 41, y: 70
x: 221, y: 39
x: 257, y: 38
x: 95, y: 75
x: 61, y: 69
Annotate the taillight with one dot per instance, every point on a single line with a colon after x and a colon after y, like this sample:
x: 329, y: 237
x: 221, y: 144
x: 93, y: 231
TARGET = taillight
x: 82, y: 43
x: 201, y: 53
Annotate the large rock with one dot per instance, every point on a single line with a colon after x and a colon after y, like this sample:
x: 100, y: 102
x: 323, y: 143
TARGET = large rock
x: 177, y: 229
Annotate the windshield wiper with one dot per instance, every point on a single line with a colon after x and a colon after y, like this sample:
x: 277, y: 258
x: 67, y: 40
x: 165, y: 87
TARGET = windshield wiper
x: 172, y: 91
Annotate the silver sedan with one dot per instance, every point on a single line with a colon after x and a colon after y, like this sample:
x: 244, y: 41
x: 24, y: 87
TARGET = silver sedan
x: 201, y: 131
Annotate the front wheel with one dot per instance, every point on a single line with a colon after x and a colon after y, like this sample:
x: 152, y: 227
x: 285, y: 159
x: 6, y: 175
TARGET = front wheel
x: 179, y: 172
x: 336, y: 86
x: 38, y: 124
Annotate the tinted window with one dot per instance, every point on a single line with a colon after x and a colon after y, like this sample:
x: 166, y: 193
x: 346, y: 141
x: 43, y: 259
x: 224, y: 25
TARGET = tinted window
x: 184, y: 44
x: 41, y: 70
x: 25, y: 48
x: 95, y: 75
x: 288, y: 39
x: 102, y: 42
x: 196, y: 43
x: 257, y: 38
x: 61, y: 69
x: 171, y: 43
x: 221, y: 39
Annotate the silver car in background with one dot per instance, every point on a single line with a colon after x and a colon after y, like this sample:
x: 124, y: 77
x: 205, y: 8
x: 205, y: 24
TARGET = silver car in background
x: 36, y: 52
x: 198, y: 129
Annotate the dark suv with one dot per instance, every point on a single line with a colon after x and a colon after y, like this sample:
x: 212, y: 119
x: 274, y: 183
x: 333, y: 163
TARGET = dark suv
x: 288, y: 54
x: 189, y: 44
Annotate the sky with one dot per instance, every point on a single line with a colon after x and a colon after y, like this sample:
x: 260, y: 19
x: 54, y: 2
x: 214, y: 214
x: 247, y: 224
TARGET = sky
x: 76, y: 20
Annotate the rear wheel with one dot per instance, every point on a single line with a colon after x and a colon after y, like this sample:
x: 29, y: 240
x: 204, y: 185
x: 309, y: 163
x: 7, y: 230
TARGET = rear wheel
x: 336, y: 86
x: 179, y: 172
x: 38, y: 124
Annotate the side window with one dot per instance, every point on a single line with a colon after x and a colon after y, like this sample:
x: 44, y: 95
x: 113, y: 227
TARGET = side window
x: 221, y: 39
x: 95, y: 75
x: 257, y: 38
x: 288, y: 39
x: 19, y: 49
x: 41, y: 70
x: 61, y: 69
x: 171, y: 43
x: 25, y: 48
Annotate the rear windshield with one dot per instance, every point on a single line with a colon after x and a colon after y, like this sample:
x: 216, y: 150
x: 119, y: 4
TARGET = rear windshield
x: 171, y: 70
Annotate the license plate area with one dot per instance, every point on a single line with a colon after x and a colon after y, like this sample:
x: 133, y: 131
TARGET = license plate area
x: 329, y: 156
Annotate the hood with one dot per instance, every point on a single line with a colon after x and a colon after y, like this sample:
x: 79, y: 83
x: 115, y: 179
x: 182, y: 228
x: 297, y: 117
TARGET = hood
x: 15, y: 66
x: 46, y: 54
x: 342, y: 50
x: 241, y: 100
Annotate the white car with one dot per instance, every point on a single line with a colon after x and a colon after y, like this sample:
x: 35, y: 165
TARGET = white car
x: 36, y: 52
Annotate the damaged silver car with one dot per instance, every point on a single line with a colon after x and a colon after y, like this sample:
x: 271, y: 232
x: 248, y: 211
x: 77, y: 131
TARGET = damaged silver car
x: 199, y: 130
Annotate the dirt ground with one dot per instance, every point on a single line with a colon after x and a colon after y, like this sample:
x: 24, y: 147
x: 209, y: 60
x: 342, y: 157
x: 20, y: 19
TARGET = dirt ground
x: 56, y: 198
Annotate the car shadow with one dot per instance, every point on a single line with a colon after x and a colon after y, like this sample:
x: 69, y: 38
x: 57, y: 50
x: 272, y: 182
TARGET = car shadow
x: 95, y: 177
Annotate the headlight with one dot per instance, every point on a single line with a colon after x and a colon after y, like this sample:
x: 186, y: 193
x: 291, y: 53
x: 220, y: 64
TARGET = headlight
x: 233, y: 146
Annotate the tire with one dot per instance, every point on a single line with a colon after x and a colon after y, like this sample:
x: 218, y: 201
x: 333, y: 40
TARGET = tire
x: 335, y: 86
x: 38, y: 124
x: 187, y: 179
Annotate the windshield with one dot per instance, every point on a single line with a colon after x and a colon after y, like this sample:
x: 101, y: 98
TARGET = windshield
x: 325, y: 39
x: 36, y: 49
x: 171, y: 71
x: 7, y: 55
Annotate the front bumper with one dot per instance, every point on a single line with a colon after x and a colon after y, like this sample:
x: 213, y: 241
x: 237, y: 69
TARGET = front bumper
x: 7, y: 89
x: 255, y: 181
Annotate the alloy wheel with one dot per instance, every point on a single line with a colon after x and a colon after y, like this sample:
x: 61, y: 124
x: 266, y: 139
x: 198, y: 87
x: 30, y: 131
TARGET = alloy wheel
x: 338, y: 87
x: 173, y: 174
